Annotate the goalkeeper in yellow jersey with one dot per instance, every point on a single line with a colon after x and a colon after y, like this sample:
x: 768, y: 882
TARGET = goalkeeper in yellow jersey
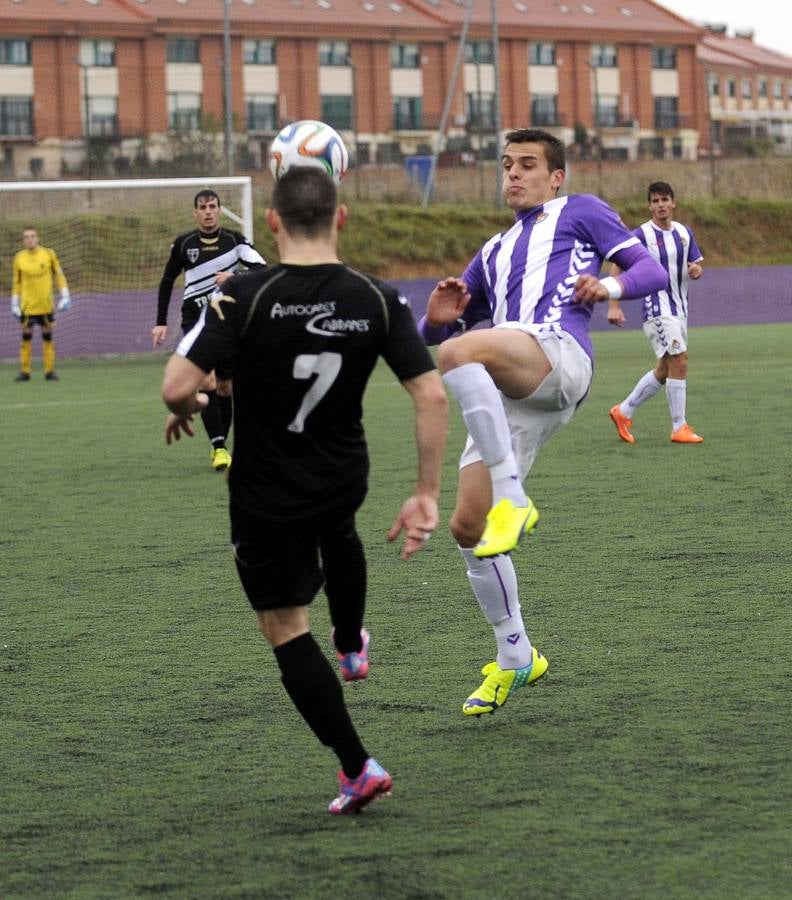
x: 36, y: 273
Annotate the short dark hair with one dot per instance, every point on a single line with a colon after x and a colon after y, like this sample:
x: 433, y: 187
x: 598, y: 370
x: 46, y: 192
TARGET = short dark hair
x: 305, y: 198
x: 207, y: 193
x: 30, y: 228
x: 554, y: 148
x: 659, y: 187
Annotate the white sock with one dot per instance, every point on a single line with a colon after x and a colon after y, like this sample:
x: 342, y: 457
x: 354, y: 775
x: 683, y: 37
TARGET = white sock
x: 482, y: 409
x: 494, y: 583
x: 644, y: 390
x: 676, y: 391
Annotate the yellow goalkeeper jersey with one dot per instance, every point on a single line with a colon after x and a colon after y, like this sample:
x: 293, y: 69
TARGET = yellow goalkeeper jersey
x: 33, y: 276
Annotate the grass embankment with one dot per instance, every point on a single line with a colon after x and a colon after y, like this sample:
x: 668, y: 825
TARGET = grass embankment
x: 401, y: 241
x: 124, y: 252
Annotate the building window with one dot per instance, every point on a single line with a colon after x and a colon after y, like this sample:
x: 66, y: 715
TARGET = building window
x: 666, y: 112
x: 333, y: 53
x: 103, y: 117
x: 337, y: 111
x: 762, y: 87
x: 606, y: 110
x: 16, y: 116
x: 258, y: 53
x: 604, y: 56
x: 405, y: 56
x: 541, y: 53
x: 480, y: 109
x: 14, y: 52
x: 664, y: 57
x: 747, y: 90
x: 262, y: 112
x: 778, y: 89
x: 183, y: 50
x: 407, y: 114
x: 544, y: 109
x: 184, y: 111
x: 714, y: 85
x: 478, y: 52
x: 731, y: 87
x: 97, y: 53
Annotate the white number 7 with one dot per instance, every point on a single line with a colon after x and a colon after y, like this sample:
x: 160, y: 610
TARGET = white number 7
x: 326, y: 366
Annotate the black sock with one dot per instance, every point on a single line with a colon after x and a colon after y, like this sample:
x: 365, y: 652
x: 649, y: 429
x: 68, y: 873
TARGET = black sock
x: 213, y: 420
x: 316, y: 692
x: 344, y: 565
x: 226, y: 406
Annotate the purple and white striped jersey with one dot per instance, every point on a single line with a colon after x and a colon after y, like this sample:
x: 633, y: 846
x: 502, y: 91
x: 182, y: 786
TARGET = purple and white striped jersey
x: 673, y: 248
x: 528, y: 273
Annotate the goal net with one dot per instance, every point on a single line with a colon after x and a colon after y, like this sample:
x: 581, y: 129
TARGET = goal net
x: 112, y: 239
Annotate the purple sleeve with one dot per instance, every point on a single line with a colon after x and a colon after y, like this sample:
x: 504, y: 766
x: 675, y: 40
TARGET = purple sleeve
x: 640, y: 274
x: 694, y: 254
x: 435, y: 334
x: 477, y: 310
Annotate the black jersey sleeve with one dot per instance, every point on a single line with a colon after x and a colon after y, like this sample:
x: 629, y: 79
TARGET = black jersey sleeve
x: 173, y: 268
x: 247, y: 253
x: 404, y: 349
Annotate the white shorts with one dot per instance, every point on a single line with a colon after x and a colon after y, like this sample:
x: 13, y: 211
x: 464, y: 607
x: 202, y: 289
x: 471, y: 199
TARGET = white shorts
x: 535, y: 419
x: 667, y: 334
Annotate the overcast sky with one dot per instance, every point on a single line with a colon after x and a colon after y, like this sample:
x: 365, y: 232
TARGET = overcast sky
x: 770, y: 19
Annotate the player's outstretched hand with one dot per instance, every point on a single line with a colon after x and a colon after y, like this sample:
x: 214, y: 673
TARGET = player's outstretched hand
x: 175, y: 425
x: 179, y: 423
x: 158, y: 335
x: 447, y: 301
x: 589, y: 289
x: 616, y: 314
x: 418, y: 519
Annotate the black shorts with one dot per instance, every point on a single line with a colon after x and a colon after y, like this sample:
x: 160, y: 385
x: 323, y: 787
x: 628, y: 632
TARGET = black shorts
x: 191, y: 312
x: 45, y: 320
x: 279, y: 563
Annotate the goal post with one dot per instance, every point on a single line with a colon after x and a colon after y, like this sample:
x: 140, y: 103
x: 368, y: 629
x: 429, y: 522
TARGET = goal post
x: 112, y: 238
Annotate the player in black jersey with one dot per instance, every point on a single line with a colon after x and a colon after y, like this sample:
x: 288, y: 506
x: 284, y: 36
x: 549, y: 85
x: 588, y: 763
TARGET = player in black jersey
x: 304, y: 337
x: 207, y: 257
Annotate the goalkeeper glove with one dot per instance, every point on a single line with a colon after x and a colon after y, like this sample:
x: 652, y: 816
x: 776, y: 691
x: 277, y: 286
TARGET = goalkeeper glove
x: 65, y: 300
x: 16, y: 312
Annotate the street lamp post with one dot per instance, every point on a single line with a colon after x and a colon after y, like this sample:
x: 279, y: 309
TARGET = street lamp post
x: 597, y: 124
x: 711, y: 137
x: 229, y: 138
x: 497, y: 110
x: 86, y: 114
x: 354, y: 123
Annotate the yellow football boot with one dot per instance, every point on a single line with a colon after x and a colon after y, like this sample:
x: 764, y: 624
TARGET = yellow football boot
x: 506, y: 524
x: 221, y: 459
x: 499, y: 684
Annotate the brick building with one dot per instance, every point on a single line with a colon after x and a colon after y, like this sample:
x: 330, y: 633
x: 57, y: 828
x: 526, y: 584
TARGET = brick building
x: 133, y: 77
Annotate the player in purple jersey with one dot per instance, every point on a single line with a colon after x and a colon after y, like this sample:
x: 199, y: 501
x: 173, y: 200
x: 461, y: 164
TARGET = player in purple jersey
x: 664, y: 316
x: 304, y: 337
x: 519, y: 381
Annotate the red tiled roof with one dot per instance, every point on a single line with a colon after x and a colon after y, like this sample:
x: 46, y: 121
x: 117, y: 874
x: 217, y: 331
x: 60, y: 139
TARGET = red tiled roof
x: 745, y: 49
x: 642, y: 16
x: 379, y: 14
x: 73, y: 11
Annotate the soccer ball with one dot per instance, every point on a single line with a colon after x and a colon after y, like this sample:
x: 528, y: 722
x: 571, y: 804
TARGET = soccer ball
x: 309, y: 143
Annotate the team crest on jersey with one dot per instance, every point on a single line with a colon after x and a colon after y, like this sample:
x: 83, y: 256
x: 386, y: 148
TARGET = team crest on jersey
x: 541, y: 217
x: 193, y: 253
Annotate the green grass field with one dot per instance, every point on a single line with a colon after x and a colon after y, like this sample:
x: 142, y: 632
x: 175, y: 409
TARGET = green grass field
x: 148, y: 747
